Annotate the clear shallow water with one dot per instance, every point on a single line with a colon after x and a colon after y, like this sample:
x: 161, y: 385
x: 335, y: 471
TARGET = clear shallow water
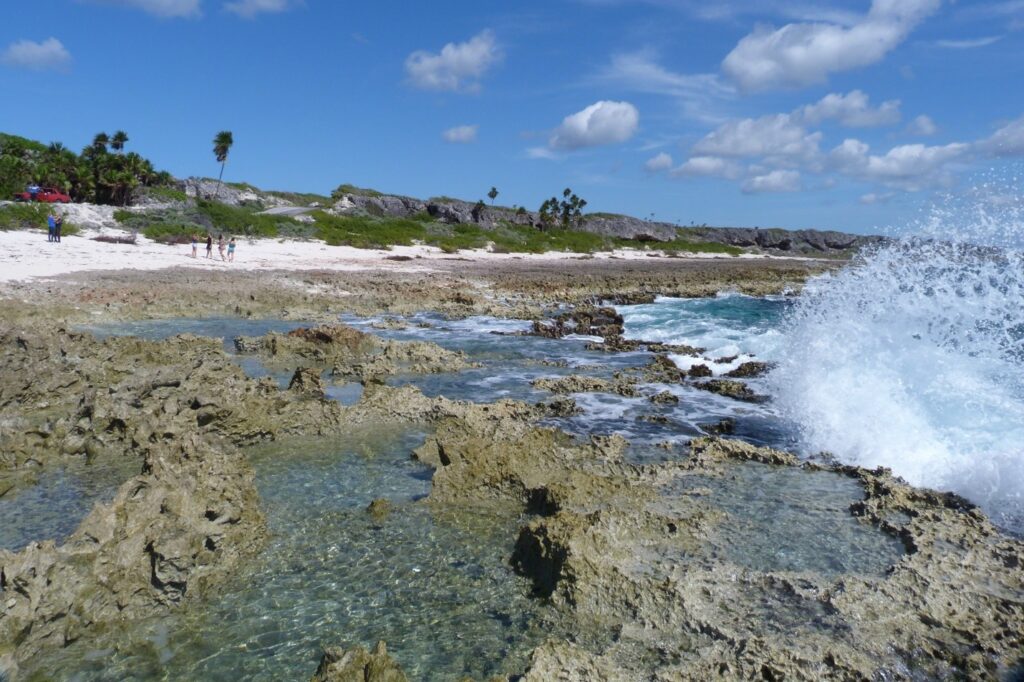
x: 786, y: 519
x: 61, y: 497
x: 435, y: 585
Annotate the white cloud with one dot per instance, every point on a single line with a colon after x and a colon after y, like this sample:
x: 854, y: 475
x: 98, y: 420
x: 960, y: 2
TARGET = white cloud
x: 803, y: 54
x: 541, y: 153
x: 461, y: 134
x: 911, y: 166
x: 923, y: 126
x: 709, y: 166
x: 775, y: 181
x: 661, y: 162
x: 968, y: 44
x: 852, y: 110
x: 872, y: 198
x: 601, y: 123
x: 640, y: 72
x: 26, y: 54
x: 457, y: 67
x: 1007, y: 141
x: 776, y: 137
x: 250, y: 8
x: 162, y: 8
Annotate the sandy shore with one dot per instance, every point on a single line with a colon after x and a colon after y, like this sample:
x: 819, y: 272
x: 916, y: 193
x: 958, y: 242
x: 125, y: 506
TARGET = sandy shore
x: 26, y: 254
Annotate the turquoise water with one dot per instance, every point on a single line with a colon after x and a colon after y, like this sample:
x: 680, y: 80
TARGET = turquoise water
x: 435, y: 584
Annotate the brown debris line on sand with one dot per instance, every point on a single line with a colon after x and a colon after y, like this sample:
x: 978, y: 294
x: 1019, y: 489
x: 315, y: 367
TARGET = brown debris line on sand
x: 351, y: 353
x: 616, y: 554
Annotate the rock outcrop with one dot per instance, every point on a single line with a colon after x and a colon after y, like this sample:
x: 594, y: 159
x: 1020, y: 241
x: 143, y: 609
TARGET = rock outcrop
x: 350, y: 353
x: 169, y: 535
x: 358, y: 665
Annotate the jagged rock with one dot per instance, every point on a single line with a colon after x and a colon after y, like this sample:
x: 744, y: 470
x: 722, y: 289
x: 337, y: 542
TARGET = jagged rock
x: 664, y: 398
x: 736, y: 390
x: 661, y: 370
x: 585, y: 320
x: 308, y: 381
x: 750, y: 370
x: 723, y: 427
x: 358, y: 665
x: 169, y: 535
x: 561, y: 406
x: 699, y: 371
x: 351, y: 353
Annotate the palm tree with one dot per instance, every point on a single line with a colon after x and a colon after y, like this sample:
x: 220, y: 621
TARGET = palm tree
x: 221, y: 146
x: 119, y: 140
x: 100, y: 142
x: 493, y: 194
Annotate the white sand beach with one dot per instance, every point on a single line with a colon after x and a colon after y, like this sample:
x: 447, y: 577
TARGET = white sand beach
x: 26, y: 254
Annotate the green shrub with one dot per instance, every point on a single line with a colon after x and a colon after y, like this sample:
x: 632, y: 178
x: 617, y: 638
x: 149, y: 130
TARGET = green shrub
x: 167, y: 233
x: 165, y: 193
x: 23, y: 216
x: 346, y: 188
x: 366, y: 232
x: 122, y: 216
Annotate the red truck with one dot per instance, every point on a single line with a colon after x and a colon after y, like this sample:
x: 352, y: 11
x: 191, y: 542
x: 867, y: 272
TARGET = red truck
x: 47, y: 195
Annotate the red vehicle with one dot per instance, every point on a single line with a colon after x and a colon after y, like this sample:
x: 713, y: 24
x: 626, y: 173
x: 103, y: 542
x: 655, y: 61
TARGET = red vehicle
x: 47, y: 195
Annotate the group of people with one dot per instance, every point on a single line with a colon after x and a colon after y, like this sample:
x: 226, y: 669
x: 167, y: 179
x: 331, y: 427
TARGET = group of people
x: 221, y: 244
x: 55, y: 223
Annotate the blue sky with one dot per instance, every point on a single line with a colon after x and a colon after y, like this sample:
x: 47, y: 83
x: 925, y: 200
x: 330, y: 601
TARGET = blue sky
x: 845, y: 114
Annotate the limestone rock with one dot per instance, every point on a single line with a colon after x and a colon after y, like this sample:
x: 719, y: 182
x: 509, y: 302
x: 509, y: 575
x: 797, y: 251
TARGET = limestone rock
x: 358, y: 665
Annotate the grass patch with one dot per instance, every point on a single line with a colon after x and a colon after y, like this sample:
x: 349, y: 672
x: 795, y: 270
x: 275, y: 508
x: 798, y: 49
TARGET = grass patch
x: 346, y: 188
x: 165, y: 193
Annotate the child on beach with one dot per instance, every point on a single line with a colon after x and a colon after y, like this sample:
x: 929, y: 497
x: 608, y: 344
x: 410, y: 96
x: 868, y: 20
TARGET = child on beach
x: 209, y: 246
x: 220, y: 245
x: 58, y: 226
x: 195, y: 245
x: 51, y: 224
x: 231, y: 250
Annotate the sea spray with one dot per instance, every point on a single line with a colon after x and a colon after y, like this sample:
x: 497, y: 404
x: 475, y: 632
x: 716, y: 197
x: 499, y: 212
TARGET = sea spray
x: 913, y: 358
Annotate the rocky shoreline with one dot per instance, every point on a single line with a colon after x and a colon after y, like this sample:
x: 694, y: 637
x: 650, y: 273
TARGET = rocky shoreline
x: 636, y: 559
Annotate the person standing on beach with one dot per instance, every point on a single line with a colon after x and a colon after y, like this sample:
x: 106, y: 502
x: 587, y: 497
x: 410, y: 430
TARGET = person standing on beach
x: 220, y: 246
x: 195, y: 245
x: 58, y: 226
x: 51, y: 224
x: 209, y: 245
x: 231, y: 250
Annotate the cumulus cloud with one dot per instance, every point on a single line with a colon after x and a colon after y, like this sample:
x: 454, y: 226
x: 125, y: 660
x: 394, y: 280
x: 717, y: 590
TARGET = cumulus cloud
x: 852, y: 110
x: 911, y: 166
x: 802, y: 54
x: 161, y: 8
x: 458, y: 67
x: 708, y: 166
x: 775, y: 181
x: 923, y: 126
x: 872, y: 198
x: 250, y: 8
x: 599, y: 124
x: 661, y: 162
x: 461, y: 134
x: 1007, y: 141
x: 779, y: 138
x: 47, y: 55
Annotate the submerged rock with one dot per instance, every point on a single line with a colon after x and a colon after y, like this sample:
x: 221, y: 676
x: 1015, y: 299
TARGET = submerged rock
x: 358, y: 665
x: 380, y: 508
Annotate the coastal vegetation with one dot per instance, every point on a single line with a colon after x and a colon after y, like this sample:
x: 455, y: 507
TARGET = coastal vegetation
x: 222, y: 144
x: 102, y: 173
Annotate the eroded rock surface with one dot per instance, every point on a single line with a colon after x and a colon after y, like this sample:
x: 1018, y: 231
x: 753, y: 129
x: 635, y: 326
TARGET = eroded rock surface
x: 350, y: 353
x: 358, y: 665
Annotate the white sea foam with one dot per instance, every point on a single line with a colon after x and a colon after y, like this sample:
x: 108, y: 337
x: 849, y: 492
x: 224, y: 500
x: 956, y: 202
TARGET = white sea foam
x: 913, y: 358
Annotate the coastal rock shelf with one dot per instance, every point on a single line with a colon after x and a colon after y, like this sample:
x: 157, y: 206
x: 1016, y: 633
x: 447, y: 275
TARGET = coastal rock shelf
x: 495, y: 499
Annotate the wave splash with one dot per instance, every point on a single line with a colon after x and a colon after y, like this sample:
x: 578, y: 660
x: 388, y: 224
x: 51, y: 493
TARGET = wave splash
x: 913, y: 358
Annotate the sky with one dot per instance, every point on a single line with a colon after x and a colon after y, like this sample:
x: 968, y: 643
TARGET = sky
x: 834, y: 114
